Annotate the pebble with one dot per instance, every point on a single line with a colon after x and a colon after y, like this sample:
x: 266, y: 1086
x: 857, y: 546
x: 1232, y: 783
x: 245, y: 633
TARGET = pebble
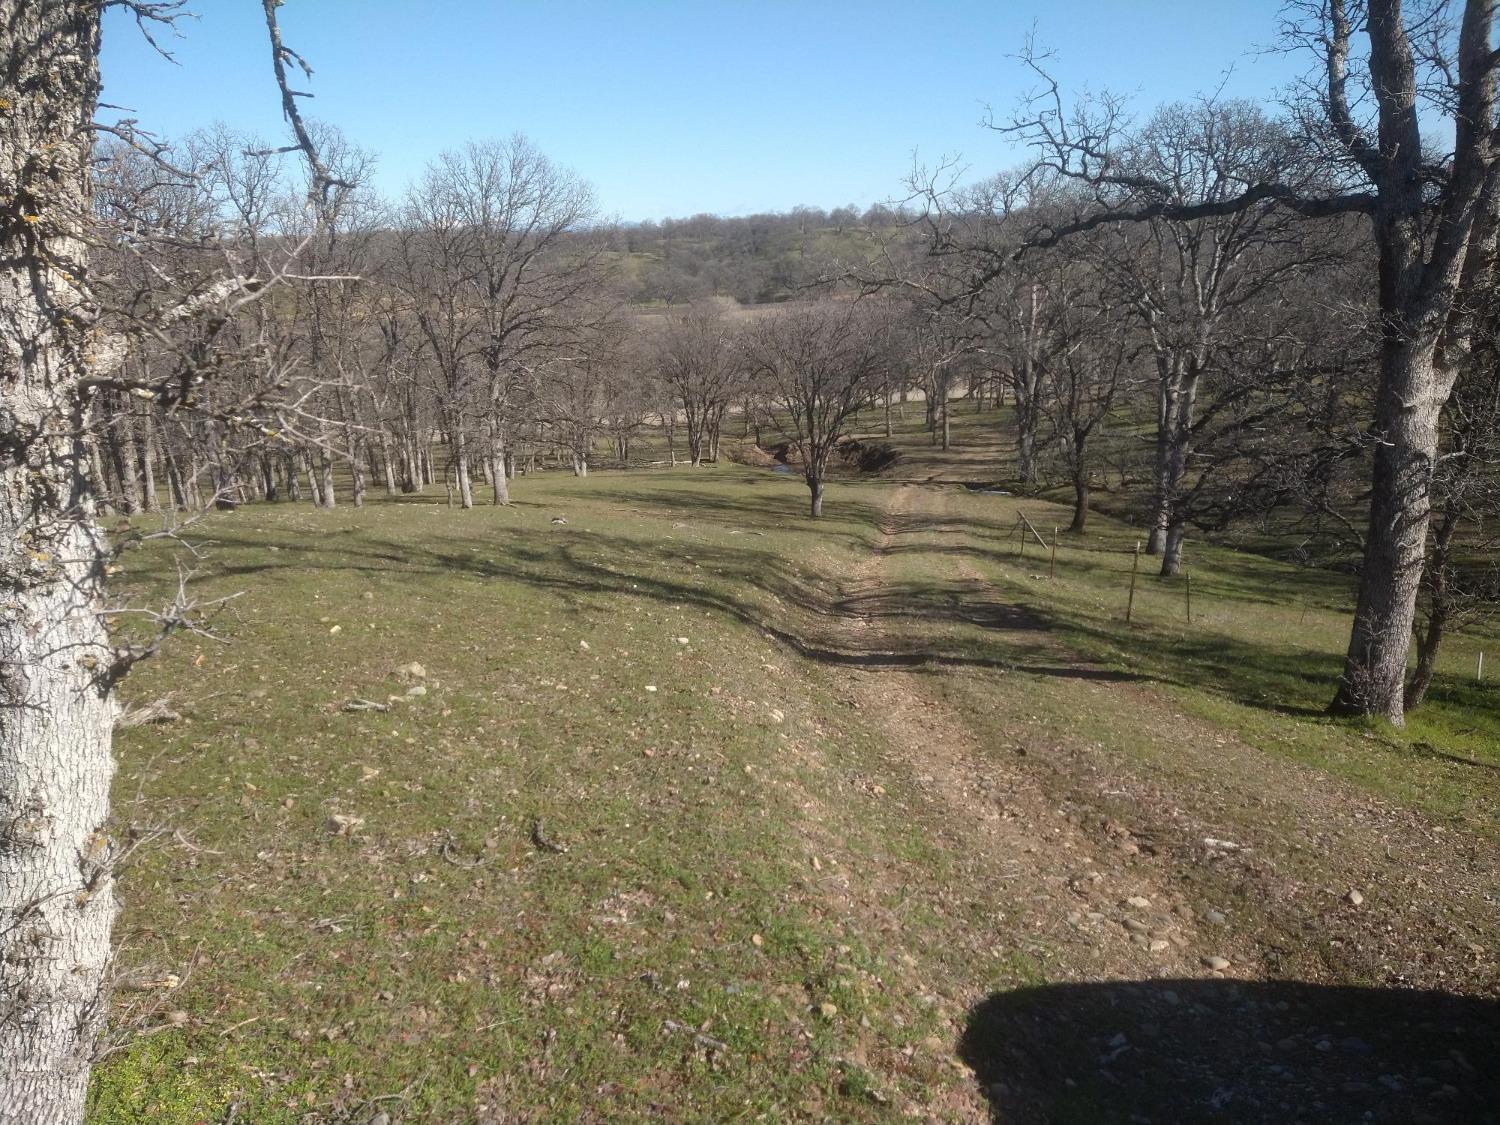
x: 1216, y: 963
x: 827, y: 1010
x: 1138, y: 902
x: 1354, y: 898
x: 1136, y: 927
x: 1215, y: 917
x: 1159, y: 946
x: 416, y: 689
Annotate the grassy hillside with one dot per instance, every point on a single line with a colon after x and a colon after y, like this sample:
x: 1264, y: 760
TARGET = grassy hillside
x: 697, y: 810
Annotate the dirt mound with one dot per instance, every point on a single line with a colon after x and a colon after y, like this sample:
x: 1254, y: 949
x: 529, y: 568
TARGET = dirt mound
x: 747, y: 453
x: 868, y: 456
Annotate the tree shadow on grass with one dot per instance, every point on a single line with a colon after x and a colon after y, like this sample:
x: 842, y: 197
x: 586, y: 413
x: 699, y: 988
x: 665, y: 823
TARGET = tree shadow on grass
x: 779, y: 600
x: 1232, y: 1051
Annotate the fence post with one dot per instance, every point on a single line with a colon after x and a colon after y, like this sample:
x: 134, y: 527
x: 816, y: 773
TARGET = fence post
x: 1187, y: 587
x: 1135, y: 564
x: 1479, y: 670
x: 1052, y: 572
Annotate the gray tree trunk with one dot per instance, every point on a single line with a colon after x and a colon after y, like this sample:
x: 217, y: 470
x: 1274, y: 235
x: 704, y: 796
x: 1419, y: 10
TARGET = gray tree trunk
x: 56, y: 709
x: 461, y: 459
x: 1406, y: 423
x: 499, y: 478
x: 148, y: 463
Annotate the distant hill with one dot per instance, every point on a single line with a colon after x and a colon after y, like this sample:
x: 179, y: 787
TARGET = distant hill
x: 755, y: 259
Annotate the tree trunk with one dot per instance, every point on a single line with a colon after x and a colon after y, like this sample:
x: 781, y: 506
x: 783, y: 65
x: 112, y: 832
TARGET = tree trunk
x: 1439, y: 609
x: 147, y: 447
x: 57, y: 708
x: 293, y: 476
x: 268, y: 477
x: 1171, y: 556
x: 465, y: 484
x: 498, y: 477
x: 120, y: 434
x: 815, y: 486
x: 387, y: 466
x: 356, y: 476
x: 174, y: 479
x: 1429, y: 643
x: 1406, y: 426
x: 327, y: 498
x: 1080, y: 502
x: 99, y: 482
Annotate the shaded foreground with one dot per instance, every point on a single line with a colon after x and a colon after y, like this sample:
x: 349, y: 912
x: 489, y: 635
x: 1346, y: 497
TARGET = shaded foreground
x: 1235, y: 1051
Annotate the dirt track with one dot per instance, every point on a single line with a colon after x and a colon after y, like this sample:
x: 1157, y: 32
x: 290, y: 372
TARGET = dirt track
x: 1163, y: 1000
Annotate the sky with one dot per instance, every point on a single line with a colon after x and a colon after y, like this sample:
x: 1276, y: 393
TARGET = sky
x: 671, y: 108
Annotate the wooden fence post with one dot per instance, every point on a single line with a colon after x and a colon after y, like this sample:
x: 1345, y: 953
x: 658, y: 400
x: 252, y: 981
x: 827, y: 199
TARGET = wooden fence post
x: 1052, y: 572
x: 1187, y: 587
x: 1135, y: 564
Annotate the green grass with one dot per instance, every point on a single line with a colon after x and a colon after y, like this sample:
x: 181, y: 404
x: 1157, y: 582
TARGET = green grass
x: 387, y: 964
x: 437, y: 963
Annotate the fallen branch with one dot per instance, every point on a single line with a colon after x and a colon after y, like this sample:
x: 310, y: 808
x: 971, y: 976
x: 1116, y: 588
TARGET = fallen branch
x: 158, y: 711
x: 708, y: 1042
x: 539, y: 838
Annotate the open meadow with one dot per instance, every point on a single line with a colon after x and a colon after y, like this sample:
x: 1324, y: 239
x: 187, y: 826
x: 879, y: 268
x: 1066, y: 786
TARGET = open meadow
x: 647, y: 797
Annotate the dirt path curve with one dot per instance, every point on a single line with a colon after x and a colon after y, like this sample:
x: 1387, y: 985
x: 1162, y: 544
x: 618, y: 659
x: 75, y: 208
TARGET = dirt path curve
x: 1094, y: 899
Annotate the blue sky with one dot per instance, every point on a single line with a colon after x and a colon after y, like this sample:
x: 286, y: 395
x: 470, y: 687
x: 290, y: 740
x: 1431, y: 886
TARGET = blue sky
x: 670, y: 107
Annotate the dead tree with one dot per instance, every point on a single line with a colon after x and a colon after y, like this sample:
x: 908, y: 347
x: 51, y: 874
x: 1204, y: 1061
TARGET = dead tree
x: 818, y: 364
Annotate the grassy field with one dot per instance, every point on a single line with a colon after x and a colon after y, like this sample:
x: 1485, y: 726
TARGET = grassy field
x: 644, y: 835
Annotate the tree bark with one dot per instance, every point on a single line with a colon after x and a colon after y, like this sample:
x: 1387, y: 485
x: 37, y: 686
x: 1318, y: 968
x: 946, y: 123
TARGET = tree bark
x: 1080, y: 502
x: 147, y: 451
x: 1440, y: 607
x: 1171, y: 555
x: 356, y: 476
x: 56, y: 708
x: 461, y: 469
x: 499, y: 479
x: 327, y: 498
x: 1406, y: 422
x: 815, y: 487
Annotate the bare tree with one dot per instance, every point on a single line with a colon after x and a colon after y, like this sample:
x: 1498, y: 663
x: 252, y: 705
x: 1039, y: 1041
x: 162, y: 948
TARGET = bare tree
x: 1461, y: 581
x: 819, y: 364
x: 699, y: 359
x: 1093, y: 366
x: 1367, y: 146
